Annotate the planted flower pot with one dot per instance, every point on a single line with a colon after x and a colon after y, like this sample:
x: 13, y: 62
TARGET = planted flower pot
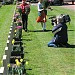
x: 18, y: 43
x: 13, y: 58
x: 18, y: 33
x: 17, y: 51
x: 17, y: 39
x: 22, y: 55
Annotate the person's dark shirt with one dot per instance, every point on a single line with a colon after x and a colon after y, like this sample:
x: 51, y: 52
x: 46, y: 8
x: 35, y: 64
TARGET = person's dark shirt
x: 60, y: 33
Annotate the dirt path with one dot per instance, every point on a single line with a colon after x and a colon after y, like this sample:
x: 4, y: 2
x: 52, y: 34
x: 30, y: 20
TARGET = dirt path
x: 69, y: 6
x: 72, y: 7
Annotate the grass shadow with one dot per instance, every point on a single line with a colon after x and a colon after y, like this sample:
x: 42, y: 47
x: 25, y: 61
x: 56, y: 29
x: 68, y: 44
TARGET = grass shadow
x: 71, y: 46
x: 27, y: 39
x: 70, y: 30
x: 39, y: 30
x: 26, y: 52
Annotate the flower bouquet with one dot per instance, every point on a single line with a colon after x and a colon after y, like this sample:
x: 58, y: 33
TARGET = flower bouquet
x: 19, y: 32
x: 27, y: 9
x: 19, y: 22
x: 15, y: 17
x: 19, y: 9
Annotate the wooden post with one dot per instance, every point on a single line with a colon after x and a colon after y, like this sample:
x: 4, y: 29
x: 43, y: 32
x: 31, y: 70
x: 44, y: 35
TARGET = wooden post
x: 9, y: 47
x: 6, y: 50
x: 8, y: 37
x: 11, y: 26
x: 7, y: 43
x: 9, y: 33
x: 7, y: 53
x: 10, y: 29
x: 1, y: 70
x: 5, y: 64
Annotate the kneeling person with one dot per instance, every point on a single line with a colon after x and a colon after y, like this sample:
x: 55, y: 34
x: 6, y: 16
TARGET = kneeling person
x: 60, y: 33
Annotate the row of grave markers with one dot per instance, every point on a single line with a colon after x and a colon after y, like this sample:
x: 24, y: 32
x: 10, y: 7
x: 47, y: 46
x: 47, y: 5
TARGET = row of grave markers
x: 14, y: 51
x: 3, y: 70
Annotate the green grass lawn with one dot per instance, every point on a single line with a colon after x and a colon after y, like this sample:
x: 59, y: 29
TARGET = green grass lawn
x: 6, y: 13
x: 44, y: 60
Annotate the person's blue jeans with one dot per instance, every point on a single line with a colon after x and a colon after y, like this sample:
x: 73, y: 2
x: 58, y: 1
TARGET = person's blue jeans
x: 52, y: 44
